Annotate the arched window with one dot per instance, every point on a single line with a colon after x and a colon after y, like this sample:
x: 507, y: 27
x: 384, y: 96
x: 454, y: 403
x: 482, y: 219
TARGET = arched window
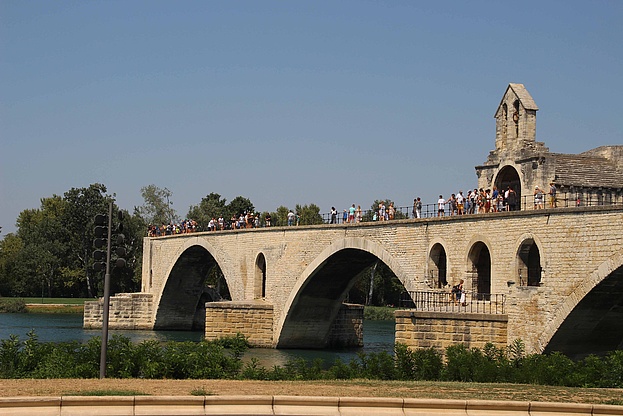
x: 529, y: 264
x: 437, y: 267
x: 516, y: 117
x: 260, y: 277
x: 480, y: 260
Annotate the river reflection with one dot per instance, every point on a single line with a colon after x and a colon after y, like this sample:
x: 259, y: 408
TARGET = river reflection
x: 377, y: 336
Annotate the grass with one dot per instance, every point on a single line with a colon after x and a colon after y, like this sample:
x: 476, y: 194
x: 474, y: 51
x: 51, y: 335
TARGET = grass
x: 55, y: 301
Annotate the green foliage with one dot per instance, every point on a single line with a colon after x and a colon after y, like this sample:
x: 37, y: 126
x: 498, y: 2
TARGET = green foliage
x: 222, y: 359
x: 419, y: 364
x: 158, y: 207
x: 310, y: 214
x: 12, y: 305
x: 387, y: 288
x: 378, y: 313
x: 51, y: 252
x: 279, y: 218
x: 200, y: 392
x: 212, y: 206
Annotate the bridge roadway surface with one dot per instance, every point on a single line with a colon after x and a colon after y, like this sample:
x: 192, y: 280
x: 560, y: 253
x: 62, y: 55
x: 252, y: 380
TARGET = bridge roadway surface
x: 288, y: 406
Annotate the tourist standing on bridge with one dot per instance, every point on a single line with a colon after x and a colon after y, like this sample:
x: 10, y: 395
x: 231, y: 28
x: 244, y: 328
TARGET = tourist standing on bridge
x: 267, y: 219
x: 460, y: 203
x: 382, y: 211
x: 351, y: 213
x: 358, y: 214
x: 418, y: 207
x: 290, y: 218
x: 391, y: 212
x: 441, y: 206
x: 333, y: 215
x: 539, y: 197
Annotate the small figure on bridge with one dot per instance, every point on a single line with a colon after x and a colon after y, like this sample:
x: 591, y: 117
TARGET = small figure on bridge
x: 458, y: 294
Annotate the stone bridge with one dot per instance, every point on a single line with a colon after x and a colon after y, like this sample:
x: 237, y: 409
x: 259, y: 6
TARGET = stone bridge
x: 560, y: 271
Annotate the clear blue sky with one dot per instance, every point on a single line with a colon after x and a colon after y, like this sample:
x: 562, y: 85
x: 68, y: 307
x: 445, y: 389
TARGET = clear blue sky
x: 290, y: 102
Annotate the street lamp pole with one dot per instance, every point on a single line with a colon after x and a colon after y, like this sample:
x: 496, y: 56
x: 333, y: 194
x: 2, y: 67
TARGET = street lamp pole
x: 106, y: 305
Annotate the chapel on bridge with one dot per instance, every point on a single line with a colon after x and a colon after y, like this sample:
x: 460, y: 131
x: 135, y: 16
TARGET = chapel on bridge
x: 594, y: 177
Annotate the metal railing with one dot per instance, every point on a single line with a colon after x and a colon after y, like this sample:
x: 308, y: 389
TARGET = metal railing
x: 563, y: 200
x: 444, y: 301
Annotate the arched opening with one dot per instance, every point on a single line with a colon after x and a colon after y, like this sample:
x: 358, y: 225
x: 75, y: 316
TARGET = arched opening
x: 529, y: 264
x: 480, y: 260
x: 505, y: 123
x: 341, y: 278
x: 507, y: 179
x: 437, y: 267
x: 260, y: 277
x: 194, y: 279
x: 516, y: 117
x: 595, y: 325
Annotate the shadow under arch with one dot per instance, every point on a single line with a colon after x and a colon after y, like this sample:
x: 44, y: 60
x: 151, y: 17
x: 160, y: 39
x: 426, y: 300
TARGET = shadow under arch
x: 185, y: 292
x: 315, y: 302
x: 591, y: 319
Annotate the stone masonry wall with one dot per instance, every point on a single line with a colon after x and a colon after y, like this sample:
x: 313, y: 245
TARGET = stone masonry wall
x: 347, y: 330
x: 439, y: 330
x: 254, y: 320
x: 126, y: 311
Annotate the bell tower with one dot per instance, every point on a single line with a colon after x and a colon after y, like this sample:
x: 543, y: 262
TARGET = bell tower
x: 515, y: 119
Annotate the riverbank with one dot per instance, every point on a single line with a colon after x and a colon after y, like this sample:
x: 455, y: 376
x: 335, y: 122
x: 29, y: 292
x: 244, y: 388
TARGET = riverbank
x: 351, y: 388
x: 54, y: 308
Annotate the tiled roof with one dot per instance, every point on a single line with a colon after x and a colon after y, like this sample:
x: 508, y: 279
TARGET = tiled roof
x: 587, y: 171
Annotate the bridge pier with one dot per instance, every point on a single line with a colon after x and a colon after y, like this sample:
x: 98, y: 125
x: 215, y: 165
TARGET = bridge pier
x: 254, y: 320
x: 439, y: 330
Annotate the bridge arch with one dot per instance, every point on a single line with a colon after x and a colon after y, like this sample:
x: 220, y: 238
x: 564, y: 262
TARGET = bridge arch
x: 317, y: 297
x: 181, y: 294
x: 591, y: 317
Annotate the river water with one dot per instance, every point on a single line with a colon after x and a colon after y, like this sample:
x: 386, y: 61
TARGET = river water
x: 377, y: 336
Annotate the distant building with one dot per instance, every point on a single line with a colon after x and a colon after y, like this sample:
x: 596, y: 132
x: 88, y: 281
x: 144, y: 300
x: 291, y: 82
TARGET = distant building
x: 594, y: 177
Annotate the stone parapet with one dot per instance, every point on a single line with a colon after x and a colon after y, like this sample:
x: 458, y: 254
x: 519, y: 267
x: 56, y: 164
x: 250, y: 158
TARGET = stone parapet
x: 439, y: 330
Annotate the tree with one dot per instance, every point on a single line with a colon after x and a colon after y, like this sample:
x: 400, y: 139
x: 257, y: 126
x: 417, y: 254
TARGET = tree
x: 83, y: 204
x: 280, y: 217
x: 212, y: 206
x: 46, y: 247
x: 158, y: 207
x: 240, y: 205
x: 310, y: 214
x: 11, y: 268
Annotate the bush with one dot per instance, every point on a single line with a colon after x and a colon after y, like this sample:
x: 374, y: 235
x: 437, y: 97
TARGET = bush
x: 420, y: 364
x: 8, y: 305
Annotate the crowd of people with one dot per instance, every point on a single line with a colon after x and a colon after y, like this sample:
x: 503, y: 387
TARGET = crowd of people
x: 481, y: 201
x: 184, y: 227
x: 477, y: 201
